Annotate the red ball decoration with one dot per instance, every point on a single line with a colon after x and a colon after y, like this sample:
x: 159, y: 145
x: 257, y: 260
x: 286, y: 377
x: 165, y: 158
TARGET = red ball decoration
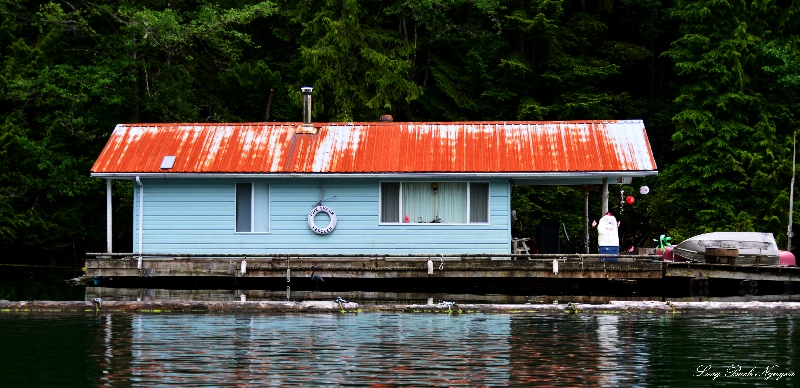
x: 630, y: 200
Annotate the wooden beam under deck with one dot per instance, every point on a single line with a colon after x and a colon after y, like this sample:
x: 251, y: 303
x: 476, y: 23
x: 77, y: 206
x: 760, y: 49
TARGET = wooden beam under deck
x: 375, y: 268
x: 445, y: 266
x: 726, y: 271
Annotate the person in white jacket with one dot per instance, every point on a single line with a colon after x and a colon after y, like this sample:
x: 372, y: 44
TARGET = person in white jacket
x: 607, y: 231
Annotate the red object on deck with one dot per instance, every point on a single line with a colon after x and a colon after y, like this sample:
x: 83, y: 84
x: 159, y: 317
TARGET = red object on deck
x: 667, y: 254
x: 787, y: 259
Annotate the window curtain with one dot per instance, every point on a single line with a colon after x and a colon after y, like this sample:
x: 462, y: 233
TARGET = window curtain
x: 451, y: 202
x: 418, y: 202
x: 260, y: 207
x: 479, y: 202
x: 448, y: 202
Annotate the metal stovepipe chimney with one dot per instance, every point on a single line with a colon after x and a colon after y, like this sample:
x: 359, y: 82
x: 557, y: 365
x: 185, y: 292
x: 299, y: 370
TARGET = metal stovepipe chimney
x: 307, y: 106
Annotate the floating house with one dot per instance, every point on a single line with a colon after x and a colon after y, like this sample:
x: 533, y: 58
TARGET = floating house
x: 353, y: 188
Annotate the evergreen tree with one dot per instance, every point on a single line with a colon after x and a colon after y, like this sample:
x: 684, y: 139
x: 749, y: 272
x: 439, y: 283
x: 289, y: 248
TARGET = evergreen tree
x: 721, y: 128
x: 70, y: 73
x: 733, y: 131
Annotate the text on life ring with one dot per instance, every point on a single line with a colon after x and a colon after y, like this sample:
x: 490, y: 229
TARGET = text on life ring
x: 313, y: 226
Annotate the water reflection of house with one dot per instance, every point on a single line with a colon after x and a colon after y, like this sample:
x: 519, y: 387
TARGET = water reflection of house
x: 269, y: 350
x: 553, y: 352
x: 597, y: 350
x: 353, y: 188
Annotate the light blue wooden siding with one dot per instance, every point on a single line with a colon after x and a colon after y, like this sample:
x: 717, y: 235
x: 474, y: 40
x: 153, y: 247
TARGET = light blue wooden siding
x: 198, y: 216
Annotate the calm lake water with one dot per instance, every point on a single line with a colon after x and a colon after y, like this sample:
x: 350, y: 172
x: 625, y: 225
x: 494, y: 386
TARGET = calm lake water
x: 380, y: 349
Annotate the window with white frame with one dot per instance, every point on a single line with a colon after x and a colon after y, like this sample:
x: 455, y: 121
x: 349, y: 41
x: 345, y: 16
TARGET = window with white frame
x: 434, y: 202
x: 252, y: 207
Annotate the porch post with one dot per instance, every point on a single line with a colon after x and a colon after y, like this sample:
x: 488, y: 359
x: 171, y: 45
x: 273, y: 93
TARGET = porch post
x: 605, y: 197
x: 108, y: 215
x: 586, y: 218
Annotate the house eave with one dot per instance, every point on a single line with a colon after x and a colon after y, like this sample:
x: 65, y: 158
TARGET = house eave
x: 518, y: 177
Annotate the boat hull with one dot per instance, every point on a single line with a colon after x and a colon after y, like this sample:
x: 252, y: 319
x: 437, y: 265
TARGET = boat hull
x: 739, y: 248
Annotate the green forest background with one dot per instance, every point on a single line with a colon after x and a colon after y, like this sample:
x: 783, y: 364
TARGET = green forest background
x: 715, y: 81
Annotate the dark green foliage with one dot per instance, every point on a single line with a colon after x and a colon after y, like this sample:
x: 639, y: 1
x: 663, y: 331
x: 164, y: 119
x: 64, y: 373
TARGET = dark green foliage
x: 536, y: 204
x: 715, y: 82
x: 737, y: 117
x: 70, y: 72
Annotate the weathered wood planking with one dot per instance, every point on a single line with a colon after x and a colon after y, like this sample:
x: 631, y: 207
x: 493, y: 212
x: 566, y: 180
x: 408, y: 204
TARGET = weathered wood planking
x: 367, y: 268
x: 724, y: 271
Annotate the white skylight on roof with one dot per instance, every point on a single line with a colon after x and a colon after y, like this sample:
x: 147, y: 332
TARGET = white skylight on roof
x: 167, y: 162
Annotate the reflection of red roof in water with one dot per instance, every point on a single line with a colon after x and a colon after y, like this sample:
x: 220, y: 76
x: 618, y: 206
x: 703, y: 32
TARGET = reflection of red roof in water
x: 379, y: 147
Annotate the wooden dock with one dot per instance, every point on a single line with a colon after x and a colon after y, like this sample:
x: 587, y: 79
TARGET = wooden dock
x: 727, y: 271
x: 500, y: 271
x: 378, y: 267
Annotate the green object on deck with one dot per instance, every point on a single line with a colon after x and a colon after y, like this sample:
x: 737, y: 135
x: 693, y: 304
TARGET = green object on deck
x: 663, y: 241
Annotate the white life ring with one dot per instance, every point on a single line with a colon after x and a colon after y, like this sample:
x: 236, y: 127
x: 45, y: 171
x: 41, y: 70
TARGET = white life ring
x: 313, y: 226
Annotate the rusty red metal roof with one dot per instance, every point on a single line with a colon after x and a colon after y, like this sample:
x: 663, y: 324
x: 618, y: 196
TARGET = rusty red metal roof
x: 378, y: 148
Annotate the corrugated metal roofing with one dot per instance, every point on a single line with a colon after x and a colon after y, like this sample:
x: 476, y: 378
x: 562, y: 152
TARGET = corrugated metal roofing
x: 381, y: 148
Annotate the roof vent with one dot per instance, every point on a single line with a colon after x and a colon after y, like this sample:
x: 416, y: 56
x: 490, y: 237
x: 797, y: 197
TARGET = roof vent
x: 306, y: 105
x: 386, y: 118
x: 307, y: 126
x: 167, y: 162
